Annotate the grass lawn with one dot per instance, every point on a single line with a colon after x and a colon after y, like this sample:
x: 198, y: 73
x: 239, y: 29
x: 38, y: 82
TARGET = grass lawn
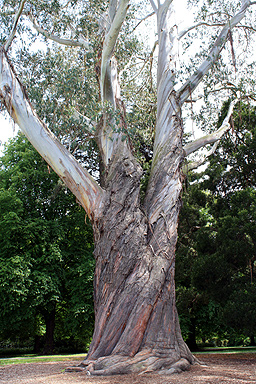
x: 226, y: 350
x: 37, y: 359
x: 30, y: 358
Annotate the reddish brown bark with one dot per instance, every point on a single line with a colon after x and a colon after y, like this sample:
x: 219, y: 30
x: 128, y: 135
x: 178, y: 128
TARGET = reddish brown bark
x: 136, y: 322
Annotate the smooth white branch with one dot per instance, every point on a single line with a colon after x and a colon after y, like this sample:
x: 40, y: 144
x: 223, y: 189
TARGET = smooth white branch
x: 107, y: 137
x: 112, y: 9
x: 76, y: 178
x: 192, y: 83
x: 212, y: 137
x: 80, y: 42
x: 163, y: 8
x: 195, y: 164
x: 109, y: 45
x: 153, y: 4
x: 15, y: 24
x: 166, y: 73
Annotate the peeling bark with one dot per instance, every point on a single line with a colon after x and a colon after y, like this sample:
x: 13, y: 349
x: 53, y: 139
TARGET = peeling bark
x: 136, y: 322
x: 137, y: 327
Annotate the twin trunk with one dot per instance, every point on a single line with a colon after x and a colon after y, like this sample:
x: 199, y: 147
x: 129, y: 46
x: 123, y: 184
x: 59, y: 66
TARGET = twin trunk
x: 136, y: 322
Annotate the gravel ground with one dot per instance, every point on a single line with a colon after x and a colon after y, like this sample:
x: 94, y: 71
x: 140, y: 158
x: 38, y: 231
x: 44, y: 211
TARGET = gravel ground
x: 216, y: 369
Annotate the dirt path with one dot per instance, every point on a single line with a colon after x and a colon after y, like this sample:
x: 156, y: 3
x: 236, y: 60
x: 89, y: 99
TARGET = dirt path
x: 218, y: 369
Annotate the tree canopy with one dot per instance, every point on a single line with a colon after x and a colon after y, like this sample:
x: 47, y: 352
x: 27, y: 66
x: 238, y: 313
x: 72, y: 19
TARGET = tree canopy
x: 216, y: 251
x: 46, y: 250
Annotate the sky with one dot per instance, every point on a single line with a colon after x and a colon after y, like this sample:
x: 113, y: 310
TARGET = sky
x: 7, y: 129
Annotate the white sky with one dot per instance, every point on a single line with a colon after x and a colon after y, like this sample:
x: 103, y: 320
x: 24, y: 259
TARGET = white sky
x: 7, y: 129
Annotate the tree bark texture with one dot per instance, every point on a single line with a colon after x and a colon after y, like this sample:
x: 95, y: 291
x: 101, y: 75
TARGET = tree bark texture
x: 136, y: 322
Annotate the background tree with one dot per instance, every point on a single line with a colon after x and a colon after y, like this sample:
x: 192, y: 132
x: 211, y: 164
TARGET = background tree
x: 46, y: 251
x: 196, y: 310
x: 216, y: 249
x: 136, y: 322
x: 231, y: 175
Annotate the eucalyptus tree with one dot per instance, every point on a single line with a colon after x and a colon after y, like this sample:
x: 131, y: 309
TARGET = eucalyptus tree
x: 136, y: 321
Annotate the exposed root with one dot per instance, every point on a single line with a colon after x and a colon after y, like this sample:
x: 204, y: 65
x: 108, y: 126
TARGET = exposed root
x: 141, y: 363
x: 179, y: 366
x: 75, y: 369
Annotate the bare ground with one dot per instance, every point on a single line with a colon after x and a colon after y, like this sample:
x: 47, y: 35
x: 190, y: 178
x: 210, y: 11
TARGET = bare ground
x: 216, y: 369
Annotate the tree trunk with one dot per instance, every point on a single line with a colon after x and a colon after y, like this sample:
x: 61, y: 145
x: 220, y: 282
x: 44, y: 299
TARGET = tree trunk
x: 49, y: 318
x: 136, y: 322
x: 38, y: 343
x: 191, y: 340
x: 252, y: 341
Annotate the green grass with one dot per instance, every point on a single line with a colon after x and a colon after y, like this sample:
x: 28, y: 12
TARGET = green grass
x: 227, y: 350
x: 40, y: 359
x: 44, y: 359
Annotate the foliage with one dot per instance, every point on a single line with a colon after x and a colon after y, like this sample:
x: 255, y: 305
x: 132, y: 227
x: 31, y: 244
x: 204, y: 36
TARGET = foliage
x: 232, y: 166
x: 63, y: 83
x: 216, y: 251
x: 46, y: 250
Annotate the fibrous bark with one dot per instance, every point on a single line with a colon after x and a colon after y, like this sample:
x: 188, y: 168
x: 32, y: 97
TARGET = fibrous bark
x: 137, y: 327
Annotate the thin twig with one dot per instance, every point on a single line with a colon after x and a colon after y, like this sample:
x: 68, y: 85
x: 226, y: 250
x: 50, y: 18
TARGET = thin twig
x: 144, y: 18
x: 18, y: 15
x: 203, y: 23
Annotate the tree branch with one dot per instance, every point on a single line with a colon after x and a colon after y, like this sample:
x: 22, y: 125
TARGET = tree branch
x: 80, y: 42
x: 213, y: 137
x: 112, y: 9
x: 144, y: 18
x: 166, y: 74
x: 153, y: 5
x: 110, y: 40
x: 76, y: 178
x: 203, y: 23
x: 195, y: 164
x: 185, y: 31
x: 18, y: 15
x: 89, y: 122
x: 196, y: 78
x: 167, y: 3
x: 163, y: 8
